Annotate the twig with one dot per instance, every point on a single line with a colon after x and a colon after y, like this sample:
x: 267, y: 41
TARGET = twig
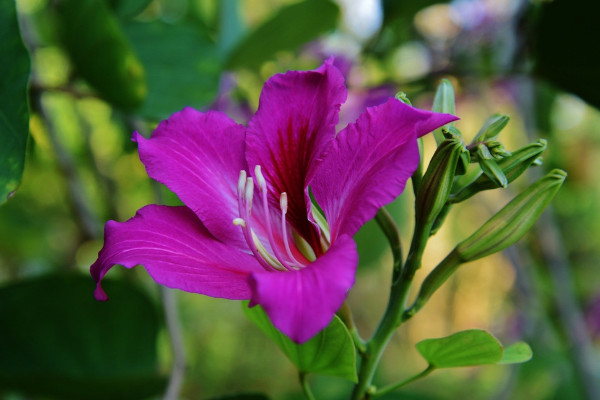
x: 175, y: 336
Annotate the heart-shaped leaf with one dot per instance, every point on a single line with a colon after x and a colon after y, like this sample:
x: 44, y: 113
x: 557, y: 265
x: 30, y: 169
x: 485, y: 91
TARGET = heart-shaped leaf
x: 330, y: 352
x: 470, y: 348
x: 462, y: 349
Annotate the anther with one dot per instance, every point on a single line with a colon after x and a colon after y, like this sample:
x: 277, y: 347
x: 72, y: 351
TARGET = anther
x: 242, y: 181
x: 248, y: 194
x: 260, y: 179
x: 239, y: 222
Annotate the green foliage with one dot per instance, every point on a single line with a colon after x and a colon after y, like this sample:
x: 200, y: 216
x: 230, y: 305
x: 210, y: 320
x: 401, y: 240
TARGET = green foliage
x: 14, y: 109
x: 55, y: 334
x: 291, y: 27
x: 100, y: 52
x: 471, y: 348
x: 181, y: 66
x: 330, y: 352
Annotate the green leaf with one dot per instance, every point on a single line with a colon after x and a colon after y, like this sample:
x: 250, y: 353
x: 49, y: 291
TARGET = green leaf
x: 289, y: 28
x: 55, y: 334
x: 516, y: 353
x: 100, y: 52
x: 14, y: 109
x: 462, y: 349
x: 181, y: 66
x: 330, y: 352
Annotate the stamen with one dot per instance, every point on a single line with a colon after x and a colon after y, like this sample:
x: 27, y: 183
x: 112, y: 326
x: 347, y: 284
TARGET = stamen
x: 266, y: 255
x: 284, y: 204
x: 323, y: 225
x: 304, y: 248
x: 262, y: 184
x: 239, y: 222
x: 244, y: 214
x: 249, y: 194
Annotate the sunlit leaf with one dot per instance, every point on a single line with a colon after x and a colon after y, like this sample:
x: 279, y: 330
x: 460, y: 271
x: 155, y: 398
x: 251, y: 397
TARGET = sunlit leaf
x: 462, y: 349
x: 55, y: 334
x: 516, y: 353
x: 330, y: 352
x: 288, y: 29
x: 181, y: 66
x: 14, y: 110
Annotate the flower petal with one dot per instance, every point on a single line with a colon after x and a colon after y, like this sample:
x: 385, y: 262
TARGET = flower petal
x: 199, y: 157
x: 370, y: 162
x: 303, y: 302
x: 177, y: 251
x: 294, y: 124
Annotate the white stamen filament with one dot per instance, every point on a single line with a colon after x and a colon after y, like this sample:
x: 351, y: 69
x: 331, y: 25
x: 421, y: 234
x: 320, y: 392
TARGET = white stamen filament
x: 283, y: 204
x: 262, y: 185
x: 243, y: 211
x: 274, y: 260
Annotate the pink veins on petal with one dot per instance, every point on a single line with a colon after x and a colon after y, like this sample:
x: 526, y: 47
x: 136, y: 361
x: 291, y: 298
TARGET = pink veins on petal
x: 248, y: 228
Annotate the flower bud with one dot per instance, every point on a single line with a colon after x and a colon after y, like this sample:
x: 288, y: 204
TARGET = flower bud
x: 489, y: 166
x: 443, y: 102
x: 491, y: 128
x: 513, y: 221
x: 437, y: 182
x: 497, y: 150
x: 512, y: 167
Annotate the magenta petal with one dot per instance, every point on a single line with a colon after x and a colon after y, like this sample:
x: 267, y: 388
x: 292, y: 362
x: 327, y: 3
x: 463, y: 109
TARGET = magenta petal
x: 303, y: 302
x: 370, y: 162
x: 199, y: 157
x: 294, y: 124
x: 177, y: 251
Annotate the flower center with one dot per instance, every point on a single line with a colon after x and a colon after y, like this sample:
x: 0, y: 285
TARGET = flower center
x: 281, y: 256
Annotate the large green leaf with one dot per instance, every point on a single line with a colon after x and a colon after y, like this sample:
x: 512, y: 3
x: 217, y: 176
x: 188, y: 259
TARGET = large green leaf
x: 14, y: 110
x: 564, y: 46
x: 289, y: 28
x: 100, y: 52
x: 462, y: 349
x: 330, y: 352
x: 57, y: 341
x: 181, y: 66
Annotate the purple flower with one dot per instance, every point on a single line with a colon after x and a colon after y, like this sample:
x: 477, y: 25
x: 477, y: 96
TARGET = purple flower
x: 248, y: 229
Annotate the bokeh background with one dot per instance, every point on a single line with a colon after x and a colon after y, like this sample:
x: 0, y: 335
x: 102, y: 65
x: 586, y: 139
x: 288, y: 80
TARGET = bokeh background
x: 101, y: 69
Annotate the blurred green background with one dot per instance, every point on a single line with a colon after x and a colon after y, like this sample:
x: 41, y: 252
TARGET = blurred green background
x: 101, y: 69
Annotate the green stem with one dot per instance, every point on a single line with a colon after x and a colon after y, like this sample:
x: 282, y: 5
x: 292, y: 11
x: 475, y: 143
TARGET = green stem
x: 305, y: 386
x: 390, y: 230
x: 391, y: 388
x: 392, y: 318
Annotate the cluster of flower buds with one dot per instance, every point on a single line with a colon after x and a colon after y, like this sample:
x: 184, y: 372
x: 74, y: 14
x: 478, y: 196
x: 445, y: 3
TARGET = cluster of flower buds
x: 458, y: 171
